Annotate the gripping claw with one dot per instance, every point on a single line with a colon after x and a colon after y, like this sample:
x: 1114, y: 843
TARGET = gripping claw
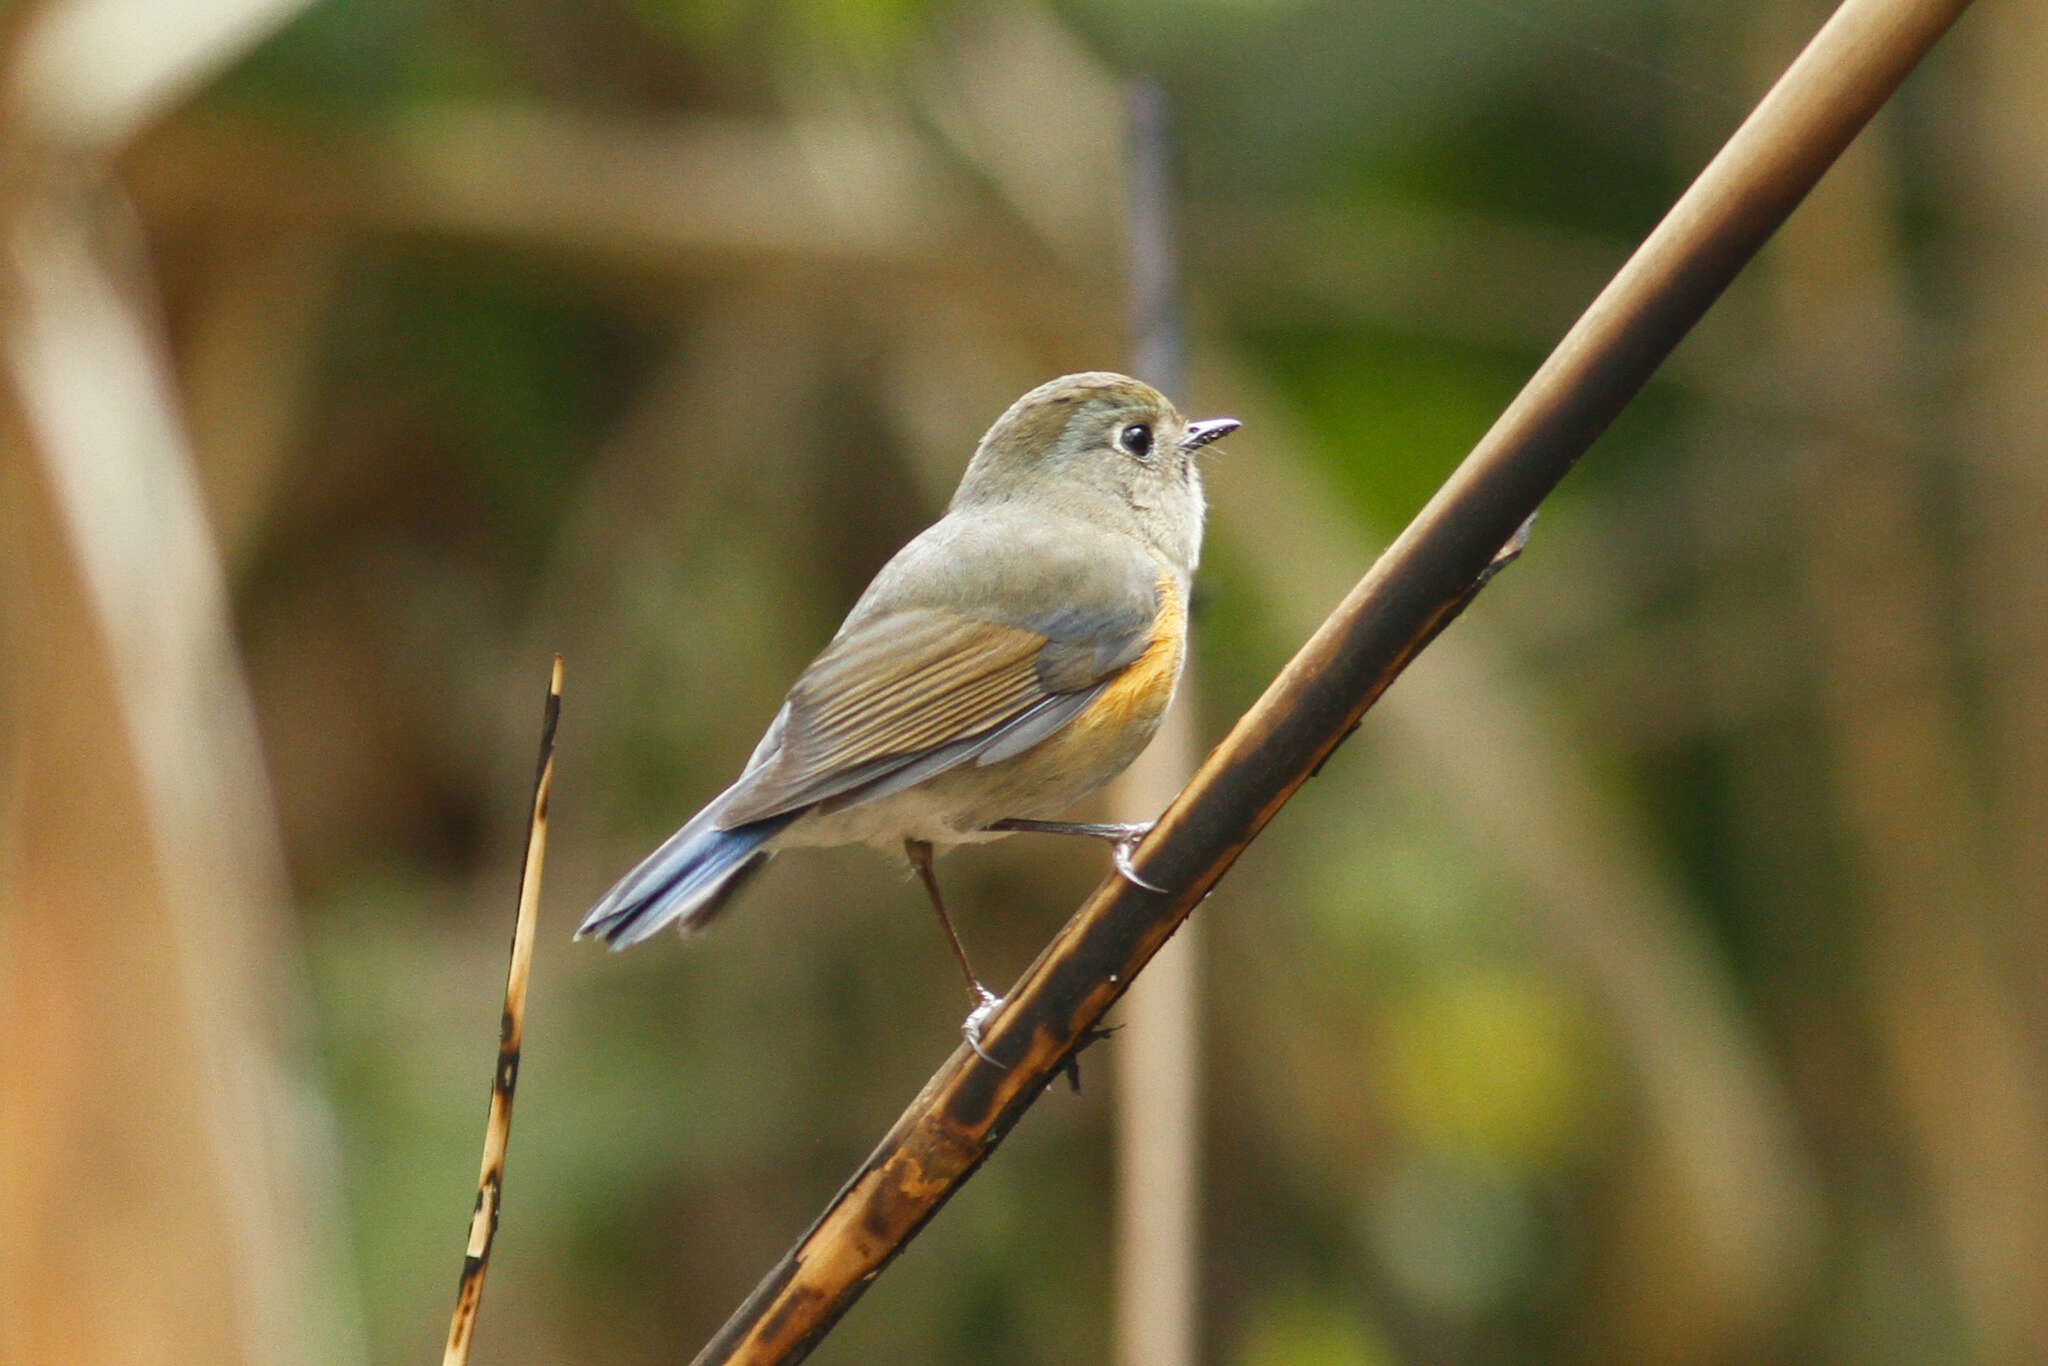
x: 1120, y: 855
x: 971, y: 1027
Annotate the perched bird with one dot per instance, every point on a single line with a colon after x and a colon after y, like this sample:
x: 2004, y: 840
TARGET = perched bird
x: 1010, y: 660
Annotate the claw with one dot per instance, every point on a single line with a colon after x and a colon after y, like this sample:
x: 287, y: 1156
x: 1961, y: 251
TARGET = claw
x: 1120, y: 855
x: 970, y: 1028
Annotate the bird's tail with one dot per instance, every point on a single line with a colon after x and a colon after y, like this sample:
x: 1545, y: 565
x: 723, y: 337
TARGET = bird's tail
x: 688, y: 879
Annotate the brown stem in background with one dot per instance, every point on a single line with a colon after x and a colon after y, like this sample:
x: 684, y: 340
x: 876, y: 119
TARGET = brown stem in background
x: 1157, y: 1079
x: 1415, y: 589
x: 144, y: 866
x: 1946, y: 1021
x: 2006, y: 374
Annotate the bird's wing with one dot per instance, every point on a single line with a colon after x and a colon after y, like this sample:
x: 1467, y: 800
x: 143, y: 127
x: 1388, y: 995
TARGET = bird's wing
x: 907, y: 691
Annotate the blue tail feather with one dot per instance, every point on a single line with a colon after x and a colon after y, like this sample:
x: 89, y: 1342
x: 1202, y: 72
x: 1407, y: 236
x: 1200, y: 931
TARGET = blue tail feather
x: 688, y: 879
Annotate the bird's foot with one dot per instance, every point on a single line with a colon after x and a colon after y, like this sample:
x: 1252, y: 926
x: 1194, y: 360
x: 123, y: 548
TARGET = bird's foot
x: 1120, y: 854
x: 1123, y: 837
x: 970, y: 1028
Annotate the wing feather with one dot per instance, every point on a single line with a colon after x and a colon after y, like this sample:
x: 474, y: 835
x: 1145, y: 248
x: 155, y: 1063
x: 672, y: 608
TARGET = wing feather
x: 921, y: 690
x: 913, y: 680
x: 912, y: 685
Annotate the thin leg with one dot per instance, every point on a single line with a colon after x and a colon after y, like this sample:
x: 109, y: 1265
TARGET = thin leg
x: 1122, y: 835
x: 986, y: 1002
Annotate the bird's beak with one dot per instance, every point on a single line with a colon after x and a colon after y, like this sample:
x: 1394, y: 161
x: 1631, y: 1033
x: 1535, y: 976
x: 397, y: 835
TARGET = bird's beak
x: 1208, y: 429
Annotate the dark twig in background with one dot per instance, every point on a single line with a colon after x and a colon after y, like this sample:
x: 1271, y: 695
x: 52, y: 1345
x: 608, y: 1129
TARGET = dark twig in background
x: 490, y: 1183
x: 1414, y: 590
x: 1157, y: 337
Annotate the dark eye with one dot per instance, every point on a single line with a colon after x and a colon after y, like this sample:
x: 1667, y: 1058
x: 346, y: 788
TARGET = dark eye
x: 1137, y: 439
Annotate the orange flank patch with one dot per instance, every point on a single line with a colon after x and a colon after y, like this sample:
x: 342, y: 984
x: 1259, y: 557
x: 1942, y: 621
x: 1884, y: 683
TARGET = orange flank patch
x: 1137, y: 697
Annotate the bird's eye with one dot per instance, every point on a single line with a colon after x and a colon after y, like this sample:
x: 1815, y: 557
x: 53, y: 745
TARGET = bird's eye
x: 1137, y: 439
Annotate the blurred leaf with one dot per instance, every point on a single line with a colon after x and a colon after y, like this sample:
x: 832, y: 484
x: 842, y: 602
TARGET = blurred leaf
x: 1296, y: 1330
x: 1493, y: 1062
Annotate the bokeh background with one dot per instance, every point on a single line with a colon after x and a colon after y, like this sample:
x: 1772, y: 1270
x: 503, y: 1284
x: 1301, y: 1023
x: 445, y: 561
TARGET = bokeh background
x: 1657, y: 976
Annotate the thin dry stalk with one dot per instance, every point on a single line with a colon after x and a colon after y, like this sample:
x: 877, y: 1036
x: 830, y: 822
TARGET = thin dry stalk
x: 490, y: 1182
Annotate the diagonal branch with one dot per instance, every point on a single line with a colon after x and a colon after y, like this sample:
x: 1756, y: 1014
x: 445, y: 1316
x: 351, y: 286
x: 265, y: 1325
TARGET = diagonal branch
x: 1416, y: 589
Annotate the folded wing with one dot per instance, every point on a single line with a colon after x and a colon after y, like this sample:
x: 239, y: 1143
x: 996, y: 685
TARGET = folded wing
x: 901, y: 696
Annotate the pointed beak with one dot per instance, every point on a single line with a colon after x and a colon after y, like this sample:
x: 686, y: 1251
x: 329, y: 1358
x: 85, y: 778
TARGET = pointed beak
x: 1209, y: 429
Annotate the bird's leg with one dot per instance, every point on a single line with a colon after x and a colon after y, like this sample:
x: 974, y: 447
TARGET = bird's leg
x: 986, y: 1002
x: 1123, y: 837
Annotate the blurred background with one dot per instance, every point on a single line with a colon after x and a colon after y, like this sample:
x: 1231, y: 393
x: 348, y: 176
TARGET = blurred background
x: 1656, y: 976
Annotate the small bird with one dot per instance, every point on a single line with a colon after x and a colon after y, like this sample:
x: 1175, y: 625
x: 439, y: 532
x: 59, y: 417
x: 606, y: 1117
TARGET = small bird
x: 1011, y: 659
